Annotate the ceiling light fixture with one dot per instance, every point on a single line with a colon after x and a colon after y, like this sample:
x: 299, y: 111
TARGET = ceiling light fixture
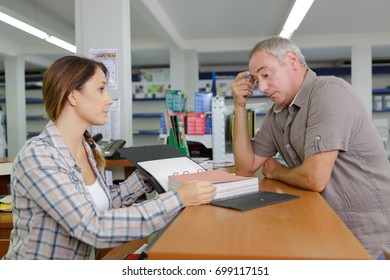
x: 61, y: 43
x: 36, y: 32
x: 23, y: 26
x: 294, y: 19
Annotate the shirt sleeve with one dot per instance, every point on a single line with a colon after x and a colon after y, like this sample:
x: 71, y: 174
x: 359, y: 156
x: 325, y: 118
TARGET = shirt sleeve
x: 333, y: 117
x: 47, y: 185
x: 127, y: 192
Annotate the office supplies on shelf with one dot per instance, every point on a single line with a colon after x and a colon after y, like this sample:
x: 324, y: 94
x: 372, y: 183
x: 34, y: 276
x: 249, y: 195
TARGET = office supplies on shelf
x: 177, y: 137
x: 175, y: 100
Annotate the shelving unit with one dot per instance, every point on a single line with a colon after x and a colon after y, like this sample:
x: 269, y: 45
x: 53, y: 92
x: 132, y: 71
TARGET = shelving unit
x: 146, y: 120
x: 381, y: 100
x: 215, y: 141
x: 148, y: 109
x: 36, y: 118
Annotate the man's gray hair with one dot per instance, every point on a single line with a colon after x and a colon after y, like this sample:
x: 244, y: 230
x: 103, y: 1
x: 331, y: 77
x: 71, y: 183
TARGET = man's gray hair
x: 279, y: 47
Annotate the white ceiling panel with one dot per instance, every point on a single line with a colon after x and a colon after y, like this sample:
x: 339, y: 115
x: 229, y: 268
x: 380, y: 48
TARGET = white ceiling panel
x: 222, y: 31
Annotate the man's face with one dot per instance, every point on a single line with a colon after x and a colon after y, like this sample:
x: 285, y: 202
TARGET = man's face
x: 274, y: 79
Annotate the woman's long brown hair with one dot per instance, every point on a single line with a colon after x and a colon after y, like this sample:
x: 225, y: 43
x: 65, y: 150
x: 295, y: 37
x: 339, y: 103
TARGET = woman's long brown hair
x: 63, y: 76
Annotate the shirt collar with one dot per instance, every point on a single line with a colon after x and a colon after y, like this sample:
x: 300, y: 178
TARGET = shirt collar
x: 53, y: 138
x: 305, y: 89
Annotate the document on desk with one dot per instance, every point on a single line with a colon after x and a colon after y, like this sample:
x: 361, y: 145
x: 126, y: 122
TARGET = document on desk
x: 160, y: 162
x: 234, y: 192
x: 161, y: 169
x: 227, y: 184
x: 158, y: 171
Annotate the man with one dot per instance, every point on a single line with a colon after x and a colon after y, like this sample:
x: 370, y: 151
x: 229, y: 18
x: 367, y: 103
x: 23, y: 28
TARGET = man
x: 321, y: 129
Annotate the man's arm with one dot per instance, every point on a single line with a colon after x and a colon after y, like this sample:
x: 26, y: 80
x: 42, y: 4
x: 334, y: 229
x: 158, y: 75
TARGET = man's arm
x: 313, y: 174
x: 246, y: 162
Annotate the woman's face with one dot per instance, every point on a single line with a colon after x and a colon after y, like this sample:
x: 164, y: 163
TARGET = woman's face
x: 93, y: 101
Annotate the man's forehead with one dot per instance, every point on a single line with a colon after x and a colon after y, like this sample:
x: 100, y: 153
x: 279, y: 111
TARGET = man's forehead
x: 260, y: 60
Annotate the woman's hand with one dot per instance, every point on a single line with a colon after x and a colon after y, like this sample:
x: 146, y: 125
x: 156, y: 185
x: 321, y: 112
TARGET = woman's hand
x: 196, y: 192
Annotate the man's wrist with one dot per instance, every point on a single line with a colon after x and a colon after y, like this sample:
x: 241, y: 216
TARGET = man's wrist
x: 239, y: 110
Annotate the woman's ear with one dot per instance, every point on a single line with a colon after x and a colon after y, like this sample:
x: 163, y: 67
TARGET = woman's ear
x: 72, y: 98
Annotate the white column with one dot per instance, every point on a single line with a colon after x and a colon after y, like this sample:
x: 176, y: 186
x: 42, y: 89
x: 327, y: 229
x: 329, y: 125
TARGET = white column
x: 15, y: 98
x: 184, y: 70
x: 361, y: 73
x: 105, y: 25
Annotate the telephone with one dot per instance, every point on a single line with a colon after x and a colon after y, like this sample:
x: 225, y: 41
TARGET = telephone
x: 109, y: 146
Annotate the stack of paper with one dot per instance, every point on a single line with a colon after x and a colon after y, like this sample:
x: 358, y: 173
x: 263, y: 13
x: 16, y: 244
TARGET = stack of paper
x: 227, y: 184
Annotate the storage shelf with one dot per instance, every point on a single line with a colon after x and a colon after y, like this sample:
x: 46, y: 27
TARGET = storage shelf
x: 34, y: 100
x: 205, y: 139
x: 149, y: 99
x: 386, y: 110
x: 32, y: 134
x: 28, y: 100
x: 253, y: 96
x: 36, y: 118
x: 146, y: 132
x: 377, y: 91
x: 146, y: 115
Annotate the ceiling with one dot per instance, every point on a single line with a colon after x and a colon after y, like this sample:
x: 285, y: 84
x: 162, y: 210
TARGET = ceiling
x: 222, y: 31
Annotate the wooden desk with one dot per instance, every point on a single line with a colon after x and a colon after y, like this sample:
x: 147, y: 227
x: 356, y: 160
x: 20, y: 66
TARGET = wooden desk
x: 128, y: 166
x: 5, y: 230
x: 305, y: 228
x: 5, y: 174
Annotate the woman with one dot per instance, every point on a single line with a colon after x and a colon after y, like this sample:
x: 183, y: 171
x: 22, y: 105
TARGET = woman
x: 62, y: 207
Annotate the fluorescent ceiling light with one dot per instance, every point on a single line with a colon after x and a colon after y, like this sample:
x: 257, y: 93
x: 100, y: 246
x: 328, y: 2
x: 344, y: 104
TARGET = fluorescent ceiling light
x: 61, y: 43
x: 23, y: 26
x: 294, y: 19
x: 36, y: 32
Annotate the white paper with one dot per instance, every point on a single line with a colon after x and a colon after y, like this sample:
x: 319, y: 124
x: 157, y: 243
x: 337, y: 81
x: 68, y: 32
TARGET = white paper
x: 162, y: 168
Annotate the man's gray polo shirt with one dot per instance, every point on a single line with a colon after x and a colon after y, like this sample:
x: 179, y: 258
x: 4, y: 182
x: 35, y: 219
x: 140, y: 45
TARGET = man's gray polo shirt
x: 326, y: 115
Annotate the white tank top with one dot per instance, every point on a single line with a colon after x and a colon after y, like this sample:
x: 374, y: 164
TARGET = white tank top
x: 98, y: 195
